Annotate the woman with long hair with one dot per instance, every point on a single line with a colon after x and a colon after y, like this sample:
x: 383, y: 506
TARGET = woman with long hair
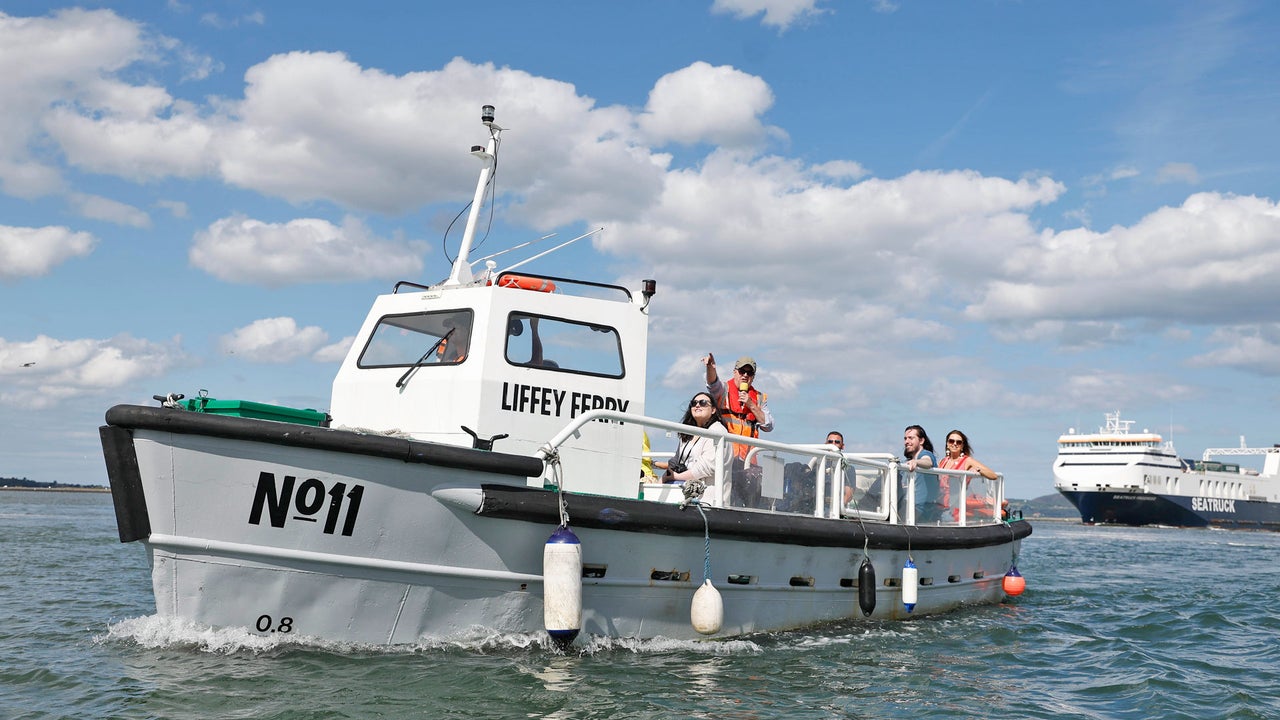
x: 959, y: 456
x: 695, y: 457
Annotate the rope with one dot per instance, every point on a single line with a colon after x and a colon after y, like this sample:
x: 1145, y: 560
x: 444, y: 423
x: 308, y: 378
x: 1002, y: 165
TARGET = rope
x: 692, y: 490
x: 553, y: 461
x: 706, y: 535
x: 1013, y: 543
x: 857, y: 514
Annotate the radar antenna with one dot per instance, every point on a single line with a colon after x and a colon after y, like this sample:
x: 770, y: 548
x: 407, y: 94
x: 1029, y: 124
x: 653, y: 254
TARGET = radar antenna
x: 461, y: 274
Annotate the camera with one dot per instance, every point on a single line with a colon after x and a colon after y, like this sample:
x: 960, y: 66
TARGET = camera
x: 676, y: 467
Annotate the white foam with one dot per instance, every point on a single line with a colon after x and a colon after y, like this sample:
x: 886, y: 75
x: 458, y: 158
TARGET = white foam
x: 154, y: 631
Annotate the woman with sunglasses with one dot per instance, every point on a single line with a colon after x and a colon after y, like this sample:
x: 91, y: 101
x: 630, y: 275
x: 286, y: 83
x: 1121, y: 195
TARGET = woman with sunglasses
x: 695, y: 458
x: 959, y: 456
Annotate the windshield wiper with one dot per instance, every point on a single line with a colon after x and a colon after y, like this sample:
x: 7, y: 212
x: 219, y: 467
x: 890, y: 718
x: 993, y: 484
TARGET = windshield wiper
x: 405, y: 377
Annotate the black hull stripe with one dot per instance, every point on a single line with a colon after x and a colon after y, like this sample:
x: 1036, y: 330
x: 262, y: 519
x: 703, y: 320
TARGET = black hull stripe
x: 595, y: 511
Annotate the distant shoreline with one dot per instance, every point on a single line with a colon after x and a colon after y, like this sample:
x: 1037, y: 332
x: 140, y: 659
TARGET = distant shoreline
x: 15, y: 488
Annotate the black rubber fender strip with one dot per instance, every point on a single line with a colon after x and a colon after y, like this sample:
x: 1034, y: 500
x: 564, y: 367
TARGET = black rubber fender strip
x: 596, y: 511
x: 132, y: 520
x: 321, y: 438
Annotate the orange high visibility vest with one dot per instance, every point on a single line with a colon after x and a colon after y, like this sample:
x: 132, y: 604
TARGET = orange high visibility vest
x: 738, y: 419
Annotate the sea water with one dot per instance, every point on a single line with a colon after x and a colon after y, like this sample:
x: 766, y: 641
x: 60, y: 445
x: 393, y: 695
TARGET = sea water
x: 1115, y: 623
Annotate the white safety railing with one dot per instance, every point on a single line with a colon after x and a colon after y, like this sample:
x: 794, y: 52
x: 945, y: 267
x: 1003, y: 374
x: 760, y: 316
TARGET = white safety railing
x: 970, y: 498
x: 956, y: 497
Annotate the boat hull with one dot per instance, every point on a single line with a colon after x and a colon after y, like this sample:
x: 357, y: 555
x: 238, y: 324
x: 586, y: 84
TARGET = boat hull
x: 351, y: 537
x: 1120, y: 508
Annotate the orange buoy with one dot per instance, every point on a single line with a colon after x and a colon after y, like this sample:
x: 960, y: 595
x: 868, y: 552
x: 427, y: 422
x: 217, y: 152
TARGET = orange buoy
x: 524, y: 282
x: 1013, y: 583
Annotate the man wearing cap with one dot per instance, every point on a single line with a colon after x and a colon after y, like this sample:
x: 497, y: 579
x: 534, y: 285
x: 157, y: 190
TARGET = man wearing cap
x: 745, y: 411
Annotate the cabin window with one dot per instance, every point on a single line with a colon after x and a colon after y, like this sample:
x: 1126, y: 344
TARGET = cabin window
x: 563, y: 345
x: 434, y: 338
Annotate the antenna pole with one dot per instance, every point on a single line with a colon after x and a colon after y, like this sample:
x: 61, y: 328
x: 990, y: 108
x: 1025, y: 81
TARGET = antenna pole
x: 461, y: 273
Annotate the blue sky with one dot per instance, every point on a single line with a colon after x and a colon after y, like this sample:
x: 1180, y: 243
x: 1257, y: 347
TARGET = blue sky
x: 1004, y: 217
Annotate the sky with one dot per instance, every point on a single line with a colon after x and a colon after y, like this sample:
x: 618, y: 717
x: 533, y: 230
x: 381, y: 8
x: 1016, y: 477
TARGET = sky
x: 1004, y: 217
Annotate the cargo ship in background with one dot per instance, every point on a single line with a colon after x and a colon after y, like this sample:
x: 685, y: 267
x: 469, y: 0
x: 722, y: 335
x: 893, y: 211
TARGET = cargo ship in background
x: 1119, y: 477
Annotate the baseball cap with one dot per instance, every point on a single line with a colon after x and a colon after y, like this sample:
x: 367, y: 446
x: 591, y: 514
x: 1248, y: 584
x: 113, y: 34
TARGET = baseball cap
x: 744, y: 361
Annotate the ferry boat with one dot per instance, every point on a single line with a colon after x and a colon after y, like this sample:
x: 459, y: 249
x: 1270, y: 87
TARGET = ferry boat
x: 1119, y: 477
x: 479, y: 470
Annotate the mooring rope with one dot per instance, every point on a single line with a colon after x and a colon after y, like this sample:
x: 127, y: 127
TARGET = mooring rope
x: 553, y: 461
x: 706, y: 536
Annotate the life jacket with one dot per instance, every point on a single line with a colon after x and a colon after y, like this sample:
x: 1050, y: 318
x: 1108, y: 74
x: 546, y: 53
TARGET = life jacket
x: 738, y: 419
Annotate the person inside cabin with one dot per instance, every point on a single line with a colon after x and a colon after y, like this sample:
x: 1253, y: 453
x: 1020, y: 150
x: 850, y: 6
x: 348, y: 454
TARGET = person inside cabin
x: 959, y: 456
x: 516, y: 328
x: 695, y: 457
x: 917, y: 454
x: 745, y: 411
x: 455, y: 342
x: 536, y: 342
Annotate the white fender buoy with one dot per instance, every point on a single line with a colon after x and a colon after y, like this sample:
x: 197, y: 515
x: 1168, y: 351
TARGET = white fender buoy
x: 707, y: 611
x: 562, y: 586
x: 910, y: 585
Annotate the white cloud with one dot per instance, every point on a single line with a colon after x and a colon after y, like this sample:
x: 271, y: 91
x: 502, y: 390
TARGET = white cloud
x: 1071, y: 336
x: 768, y: 222
x: 215, y: 20
x: 30, y: 252
x: 335, y: 353
x: 63, y: 59
x: 1123, y: 172
x: 1254, y: 348
x: 100, y: 208
x: 242, y: 250
x: 1212, y: 259
x: 701, y: 103
x: 841, y: 170
x: 273, y: 340
x: 1096, y: 185
x: 781, y: 14
x: 174, y: 142
x: 319, y: 127
x: 63, y: 369
x: 176, y: 208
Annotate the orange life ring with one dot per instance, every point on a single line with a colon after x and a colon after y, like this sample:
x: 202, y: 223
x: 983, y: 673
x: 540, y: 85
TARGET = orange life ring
x: 978, y: 507
x: 524, y: 282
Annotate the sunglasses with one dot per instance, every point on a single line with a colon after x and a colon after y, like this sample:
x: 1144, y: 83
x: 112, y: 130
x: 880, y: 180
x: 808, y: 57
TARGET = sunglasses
x: 954, y: 441
x: 747, y: 370
x: 700, y: 402
x: 833, y: 441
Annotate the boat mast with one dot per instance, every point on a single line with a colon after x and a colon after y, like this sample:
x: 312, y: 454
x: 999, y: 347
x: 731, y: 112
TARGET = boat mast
x: 461, y: 274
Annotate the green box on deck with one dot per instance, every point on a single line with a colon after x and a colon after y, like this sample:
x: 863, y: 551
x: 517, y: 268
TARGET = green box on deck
x: 260, y: 411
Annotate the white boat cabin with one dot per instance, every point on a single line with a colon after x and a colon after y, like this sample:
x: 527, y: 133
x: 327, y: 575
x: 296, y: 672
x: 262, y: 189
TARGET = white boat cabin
x: 511, y: 357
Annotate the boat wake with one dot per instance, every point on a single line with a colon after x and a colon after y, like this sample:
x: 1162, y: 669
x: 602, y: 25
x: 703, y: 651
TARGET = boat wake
x: 156, y: 632
x: 600, y: 645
